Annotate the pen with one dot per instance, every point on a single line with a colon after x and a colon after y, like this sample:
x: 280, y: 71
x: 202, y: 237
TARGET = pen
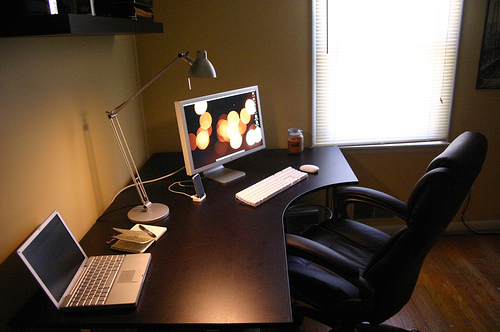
x: 113, y: 238
x: 147, y: 231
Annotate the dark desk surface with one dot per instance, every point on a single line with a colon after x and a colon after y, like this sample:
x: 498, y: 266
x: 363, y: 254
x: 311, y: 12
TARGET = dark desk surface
x: 220, y: 262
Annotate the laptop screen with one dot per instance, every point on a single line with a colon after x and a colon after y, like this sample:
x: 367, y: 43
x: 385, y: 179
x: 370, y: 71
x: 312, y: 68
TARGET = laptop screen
x: 54, y: 255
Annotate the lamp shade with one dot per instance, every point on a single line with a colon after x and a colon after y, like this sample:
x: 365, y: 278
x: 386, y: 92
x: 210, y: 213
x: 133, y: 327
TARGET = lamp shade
x: 202, y: 67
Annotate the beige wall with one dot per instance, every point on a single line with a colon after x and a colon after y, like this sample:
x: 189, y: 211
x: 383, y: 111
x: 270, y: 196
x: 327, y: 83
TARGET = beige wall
x: 268, y: 43
x: 249, y: 43
x: 56, y: 145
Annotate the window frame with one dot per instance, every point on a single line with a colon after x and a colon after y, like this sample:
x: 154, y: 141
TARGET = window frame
x: 433, y: 144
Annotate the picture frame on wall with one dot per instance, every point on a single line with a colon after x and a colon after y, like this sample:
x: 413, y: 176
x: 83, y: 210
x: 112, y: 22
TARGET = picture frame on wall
x: 489, y: 63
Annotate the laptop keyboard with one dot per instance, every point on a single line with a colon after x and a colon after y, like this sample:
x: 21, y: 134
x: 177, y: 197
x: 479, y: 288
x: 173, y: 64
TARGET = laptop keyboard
x: 96, y: 283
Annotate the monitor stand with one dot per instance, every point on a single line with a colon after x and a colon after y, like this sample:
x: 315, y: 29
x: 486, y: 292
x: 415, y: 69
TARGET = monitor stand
x: 223, y: 175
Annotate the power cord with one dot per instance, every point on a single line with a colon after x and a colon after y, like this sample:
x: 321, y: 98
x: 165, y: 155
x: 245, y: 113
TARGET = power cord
x: 462, y: 217
x: 117, y: 209
x: 195, y: 183
x: 132, y: 185
x: 183, y: 184
x: 145, y: 182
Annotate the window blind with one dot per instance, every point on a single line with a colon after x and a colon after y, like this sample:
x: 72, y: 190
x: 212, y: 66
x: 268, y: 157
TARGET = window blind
x: 384, y: 70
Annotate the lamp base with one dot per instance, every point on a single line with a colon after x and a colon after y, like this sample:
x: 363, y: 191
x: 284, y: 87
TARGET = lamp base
x: 154, y: 213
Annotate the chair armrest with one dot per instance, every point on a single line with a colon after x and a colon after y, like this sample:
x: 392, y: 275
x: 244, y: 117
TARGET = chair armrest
x: 349, y: 195
x: 325, y: 257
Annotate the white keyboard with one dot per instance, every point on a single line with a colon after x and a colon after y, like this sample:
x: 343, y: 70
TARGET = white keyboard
x: 271, y: 186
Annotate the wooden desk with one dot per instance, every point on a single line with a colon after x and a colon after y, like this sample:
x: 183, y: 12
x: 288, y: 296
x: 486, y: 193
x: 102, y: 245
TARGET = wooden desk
x: 220, y: 262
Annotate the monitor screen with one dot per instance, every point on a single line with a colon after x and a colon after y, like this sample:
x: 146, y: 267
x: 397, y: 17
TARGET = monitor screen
x: 219, y: 128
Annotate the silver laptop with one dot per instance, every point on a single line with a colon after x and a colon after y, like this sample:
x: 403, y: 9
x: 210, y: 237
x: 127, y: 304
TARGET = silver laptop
x: 63, y: 270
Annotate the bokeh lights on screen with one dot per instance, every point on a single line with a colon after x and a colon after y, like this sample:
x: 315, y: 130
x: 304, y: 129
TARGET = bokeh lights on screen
x: 233, y: 127
x: 219, y: 128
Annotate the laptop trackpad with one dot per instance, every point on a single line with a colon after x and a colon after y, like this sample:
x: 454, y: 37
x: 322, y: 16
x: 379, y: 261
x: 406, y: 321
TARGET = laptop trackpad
x: 127, y: 276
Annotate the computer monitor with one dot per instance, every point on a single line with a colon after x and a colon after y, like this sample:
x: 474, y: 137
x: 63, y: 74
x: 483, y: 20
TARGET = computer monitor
x: 219, y: 128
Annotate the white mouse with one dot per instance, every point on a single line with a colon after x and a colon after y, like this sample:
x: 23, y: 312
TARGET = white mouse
x: 309, y: 168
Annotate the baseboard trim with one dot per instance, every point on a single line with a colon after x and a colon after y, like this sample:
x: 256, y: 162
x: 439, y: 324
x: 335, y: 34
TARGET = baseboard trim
x: 455, y: 228
x: 478, y: 226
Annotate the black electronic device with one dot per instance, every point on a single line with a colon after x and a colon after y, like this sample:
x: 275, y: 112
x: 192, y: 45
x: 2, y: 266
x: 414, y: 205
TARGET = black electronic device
x: 198, y: 186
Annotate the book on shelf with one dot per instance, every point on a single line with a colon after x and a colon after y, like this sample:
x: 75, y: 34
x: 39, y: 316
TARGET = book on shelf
x: 137, y: 239
x: 124, y: 9
x: 148, y: 3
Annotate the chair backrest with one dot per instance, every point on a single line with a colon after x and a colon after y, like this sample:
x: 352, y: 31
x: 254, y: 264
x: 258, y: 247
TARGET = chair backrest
x: 434, y: 201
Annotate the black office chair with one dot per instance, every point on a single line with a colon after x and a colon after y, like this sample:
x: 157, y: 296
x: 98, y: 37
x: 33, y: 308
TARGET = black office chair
x: 351, y: 276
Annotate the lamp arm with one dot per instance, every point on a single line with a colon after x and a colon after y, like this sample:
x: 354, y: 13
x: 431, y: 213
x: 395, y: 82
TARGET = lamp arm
x: 120, y: 137
x: 129, y: 161
x: 149, y: 212
x: 184, y: 56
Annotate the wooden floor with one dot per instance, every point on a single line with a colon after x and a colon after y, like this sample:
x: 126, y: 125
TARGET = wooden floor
x: 458, y: 288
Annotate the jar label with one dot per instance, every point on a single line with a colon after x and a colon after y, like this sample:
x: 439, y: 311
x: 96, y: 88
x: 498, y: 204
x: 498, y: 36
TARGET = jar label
x: 295, y: 145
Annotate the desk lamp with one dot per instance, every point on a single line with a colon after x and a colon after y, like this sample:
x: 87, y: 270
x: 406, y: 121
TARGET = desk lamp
x: 148, y: 212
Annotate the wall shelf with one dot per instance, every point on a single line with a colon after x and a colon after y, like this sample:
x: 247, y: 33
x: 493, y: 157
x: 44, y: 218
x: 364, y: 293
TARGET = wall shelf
x: 74, y: 24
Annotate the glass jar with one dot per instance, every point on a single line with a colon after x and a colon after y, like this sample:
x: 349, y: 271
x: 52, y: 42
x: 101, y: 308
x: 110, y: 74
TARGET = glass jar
x: 295, y: 141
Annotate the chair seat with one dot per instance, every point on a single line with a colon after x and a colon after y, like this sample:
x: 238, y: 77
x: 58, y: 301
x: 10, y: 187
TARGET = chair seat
x: 355, y: 234
x: 355, y: 241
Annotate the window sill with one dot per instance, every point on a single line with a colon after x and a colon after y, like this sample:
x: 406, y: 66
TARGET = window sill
x: 425, y: 147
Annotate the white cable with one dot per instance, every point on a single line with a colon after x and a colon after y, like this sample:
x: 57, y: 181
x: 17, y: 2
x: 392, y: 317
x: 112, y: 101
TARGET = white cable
x: 181, y: 185
x: 144, y: 182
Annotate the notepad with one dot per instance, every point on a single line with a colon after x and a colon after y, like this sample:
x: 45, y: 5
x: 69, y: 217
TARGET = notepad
x: 135, y: 240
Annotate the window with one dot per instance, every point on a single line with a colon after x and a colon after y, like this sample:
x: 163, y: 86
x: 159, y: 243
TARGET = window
x: 384, y: 70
